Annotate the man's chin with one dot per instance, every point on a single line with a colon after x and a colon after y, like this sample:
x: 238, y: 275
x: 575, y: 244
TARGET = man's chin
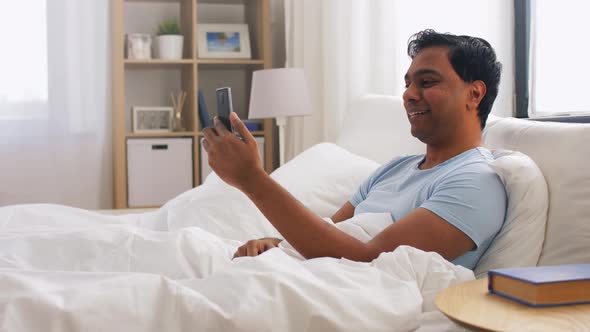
x: 422, y: 137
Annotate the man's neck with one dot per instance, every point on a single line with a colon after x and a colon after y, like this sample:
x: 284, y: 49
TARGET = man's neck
x: 438, y: 154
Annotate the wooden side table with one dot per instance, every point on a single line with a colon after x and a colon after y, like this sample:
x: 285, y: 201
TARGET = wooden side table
x: 470, y: 305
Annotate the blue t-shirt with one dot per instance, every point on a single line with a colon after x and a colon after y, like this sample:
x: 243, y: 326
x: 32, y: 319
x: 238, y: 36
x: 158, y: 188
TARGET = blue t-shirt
x: 464, y: 190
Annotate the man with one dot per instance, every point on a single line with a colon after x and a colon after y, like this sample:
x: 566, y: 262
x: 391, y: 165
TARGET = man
x: 448, y: 200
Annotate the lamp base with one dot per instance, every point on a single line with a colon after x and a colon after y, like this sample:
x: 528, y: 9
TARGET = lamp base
x: 281, y: 123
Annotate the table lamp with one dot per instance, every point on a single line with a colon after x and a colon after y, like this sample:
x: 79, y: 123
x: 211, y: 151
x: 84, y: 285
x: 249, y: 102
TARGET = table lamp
x: 279, y: 93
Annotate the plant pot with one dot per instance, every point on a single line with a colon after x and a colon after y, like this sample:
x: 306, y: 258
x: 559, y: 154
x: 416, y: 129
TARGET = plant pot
x: 170, y: 47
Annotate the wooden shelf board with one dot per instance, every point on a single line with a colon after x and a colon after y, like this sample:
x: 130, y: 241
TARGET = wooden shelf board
x: 198, y: 1
x: 158, y: 62
x: 155, y: 135
x: 221, y: 1
x: 163, y: 1
x: 230, y: 62
x: 254, y: 133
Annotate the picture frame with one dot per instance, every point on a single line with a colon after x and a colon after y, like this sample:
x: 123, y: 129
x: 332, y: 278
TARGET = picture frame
x: 223, y: 41
x: 152, y: 119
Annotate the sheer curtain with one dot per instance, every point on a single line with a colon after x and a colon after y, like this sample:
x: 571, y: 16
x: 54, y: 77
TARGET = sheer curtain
x: 55, y: 134
x: 352, y: 47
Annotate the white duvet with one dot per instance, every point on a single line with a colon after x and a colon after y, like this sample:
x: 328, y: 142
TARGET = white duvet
x: 65, y: 269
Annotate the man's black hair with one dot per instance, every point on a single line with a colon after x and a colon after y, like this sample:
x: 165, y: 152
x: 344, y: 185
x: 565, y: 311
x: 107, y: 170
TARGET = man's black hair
x: 472, y: 58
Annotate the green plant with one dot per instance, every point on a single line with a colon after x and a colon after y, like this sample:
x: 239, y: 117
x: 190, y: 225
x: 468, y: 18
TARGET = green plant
x: 169, y: 27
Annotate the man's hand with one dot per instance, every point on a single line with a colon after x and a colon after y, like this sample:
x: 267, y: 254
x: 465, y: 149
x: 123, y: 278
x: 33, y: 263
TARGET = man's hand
x: 257, y: 247
x: 235, y: 161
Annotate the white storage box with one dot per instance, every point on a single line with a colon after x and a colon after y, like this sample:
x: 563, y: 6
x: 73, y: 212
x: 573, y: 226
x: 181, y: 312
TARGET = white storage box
x: 158, y: 169
x: 206, y: 169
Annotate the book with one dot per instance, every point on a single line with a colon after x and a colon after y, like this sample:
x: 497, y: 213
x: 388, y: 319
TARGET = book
x: 542, y: 286
x: 204, y: 118
x: 253, y: 126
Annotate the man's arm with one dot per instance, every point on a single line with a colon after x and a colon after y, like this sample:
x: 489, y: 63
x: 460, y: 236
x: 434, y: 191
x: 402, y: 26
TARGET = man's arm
x: 345, y: 212
x: 258, y: 246
x: 237, y: 162
x: 312, y: 237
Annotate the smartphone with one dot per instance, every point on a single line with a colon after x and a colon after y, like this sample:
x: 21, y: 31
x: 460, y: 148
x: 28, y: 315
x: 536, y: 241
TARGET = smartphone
x: 224, y: 106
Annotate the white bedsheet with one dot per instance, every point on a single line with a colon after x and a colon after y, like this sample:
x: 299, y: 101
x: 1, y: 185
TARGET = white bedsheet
x: 65, y: 269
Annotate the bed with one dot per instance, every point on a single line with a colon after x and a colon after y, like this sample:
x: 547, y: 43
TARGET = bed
x: 170, y: 269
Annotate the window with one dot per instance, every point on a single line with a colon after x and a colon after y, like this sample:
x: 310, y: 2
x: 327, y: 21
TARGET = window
x: 23, y: 60
x: 558, y: 54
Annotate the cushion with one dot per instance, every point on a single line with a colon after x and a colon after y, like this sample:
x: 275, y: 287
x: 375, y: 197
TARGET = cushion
x: 520, y: 239
x: 324, y: 177
x: 562, y: 152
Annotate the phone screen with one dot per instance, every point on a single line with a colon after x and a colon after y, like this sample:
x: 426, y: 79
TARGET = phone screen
x: 224, y: 106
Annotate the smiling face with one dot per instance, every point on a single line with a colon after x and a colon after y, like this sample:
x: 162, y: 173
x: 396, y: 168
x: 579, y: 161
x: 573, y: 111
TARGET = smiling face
x: 436, y: 99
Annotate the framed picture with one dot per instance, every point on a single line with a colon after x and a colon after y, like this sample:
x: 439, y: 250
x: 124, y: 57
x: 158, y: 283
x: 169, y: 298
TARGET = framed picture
x: 147, y: 119
x: 224, y: 41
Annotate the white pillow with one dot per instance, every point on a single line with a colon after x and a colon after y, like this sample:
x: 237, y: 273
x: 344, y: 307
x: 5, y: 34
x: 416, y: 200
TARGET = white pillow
x: 324, y: 177
x: 562, y: 153
x: 520, y: 240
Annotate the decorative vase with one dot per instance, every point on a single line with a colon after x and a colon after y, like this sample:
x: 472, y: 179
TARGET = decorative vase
x: 170, y: 47
x: 139, y: 46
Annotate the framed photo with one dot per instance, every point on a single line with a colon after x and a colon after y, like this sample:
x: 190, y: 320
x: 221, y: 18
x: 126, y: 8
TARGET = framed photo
x: 147, y: 119
x: 224, y: 41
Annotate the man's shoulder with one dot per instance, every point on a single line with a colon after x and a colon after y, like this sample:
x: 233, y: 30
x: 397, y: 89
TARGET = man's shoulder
x: 474, y: 167
x: 475, y: 159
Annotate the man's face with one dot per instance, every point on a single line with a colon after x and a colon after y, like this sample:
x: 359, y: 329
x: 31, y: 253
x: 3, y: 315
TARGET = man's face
x: 435, y: 98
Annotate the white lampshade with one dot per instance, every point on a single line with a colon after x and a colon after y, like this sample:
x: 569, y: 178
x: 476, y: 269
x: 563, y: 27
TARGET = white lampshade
x: 280, y: 92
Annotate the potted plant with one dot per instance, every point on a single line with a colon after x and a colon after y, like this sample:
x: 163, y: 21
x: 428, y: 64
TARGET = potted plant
x: 169, y: 40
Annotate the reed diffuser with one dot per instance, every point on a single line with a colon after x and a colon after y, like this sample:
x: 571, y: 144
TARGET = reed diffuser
x: 178, y: 104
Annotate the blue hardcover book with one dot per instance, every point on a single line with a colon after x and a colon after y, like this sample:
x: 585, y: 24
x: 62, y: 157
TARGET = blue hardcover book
x: 543, y: 286
x: 203, y: 112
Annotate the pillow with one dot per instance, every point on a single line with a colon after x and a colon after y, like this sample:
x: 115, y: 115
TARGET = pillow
x: 324, y: 177
x: 520, y: 239
x: 562, y: 153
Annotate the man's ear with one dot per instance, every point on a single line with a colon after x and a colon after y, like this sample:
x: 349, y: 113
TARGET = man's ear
x: 477, y: 91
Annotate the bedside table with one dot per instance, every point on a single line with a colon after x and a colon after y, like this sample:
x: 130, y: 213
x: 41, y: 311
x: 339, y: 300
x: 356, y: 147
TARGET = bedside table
x: 469, y: 304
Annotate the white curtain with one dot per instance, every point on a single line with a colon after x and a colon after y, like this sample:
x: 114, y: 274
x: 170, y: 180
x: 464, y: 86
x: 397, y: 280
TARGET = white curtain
x: 55, y: 132
x: 352, y: 47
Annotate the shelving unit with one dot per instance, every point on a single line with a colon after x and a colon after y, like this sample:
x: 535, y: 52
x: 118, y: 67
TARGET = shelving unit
x: 149, y: 82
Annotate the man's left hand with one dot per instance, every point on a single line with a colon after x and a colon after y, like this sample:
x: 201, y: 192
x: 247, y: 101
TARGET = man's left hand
x: 236, y: 161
